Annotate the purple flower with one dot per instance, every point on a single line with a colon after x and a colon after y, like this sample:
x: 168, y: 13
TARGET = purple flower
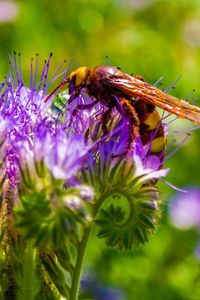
x: 67, y: 142
x: 30, y: 132
x: 69, y: 162
x: 85, y: 192
x: 135, y: 161
x: 146, y: 164
x: 21, y: 111
x: 185, y: 209
x: 65, y: 155
x: 72, y: 161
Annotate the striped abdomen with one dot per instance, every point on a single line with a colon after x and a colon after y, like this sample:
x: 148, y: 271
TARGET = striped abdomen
x: 151, y: 128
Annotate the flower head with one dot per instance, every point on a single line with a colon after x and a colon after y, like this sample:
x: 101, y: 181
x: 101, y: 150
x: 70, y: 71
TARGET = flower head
x: 70, y: 162
x: 21, y: 111
x: 70, y: 143
x: 30, y: 132
x: 65, y: 155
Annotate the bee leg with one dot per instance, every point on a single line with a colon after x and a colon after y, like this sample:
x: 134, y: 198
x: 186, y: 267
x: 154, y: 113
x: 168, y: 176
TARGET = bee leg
x: 105, y: 119
x: 133, y: 119
x: 83, y: 107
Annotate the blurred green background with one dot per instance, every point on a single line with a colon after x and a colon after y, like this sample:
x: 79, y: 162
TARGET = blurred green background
x: 153, y: 38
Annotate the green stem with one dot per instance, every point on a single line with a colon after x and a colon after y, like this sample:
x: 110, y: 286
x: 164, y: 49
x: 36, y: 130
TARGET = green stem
x: 28, y: 285
x: 79, y: 263
x: 81, y: 252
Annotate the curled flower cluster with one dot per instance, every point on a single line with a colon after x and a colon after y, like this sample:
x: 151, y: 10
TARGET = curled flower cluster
x: 66, y: 173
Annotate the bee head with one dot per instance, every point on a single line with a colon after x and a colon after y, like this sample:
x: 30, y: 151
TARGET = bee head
x: 78, y: 78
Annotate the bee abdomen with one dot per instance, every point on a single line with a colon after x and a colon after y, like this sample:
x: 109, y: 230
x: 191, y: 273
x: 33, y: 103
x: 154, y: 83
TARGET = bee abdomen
x: 152, y: 131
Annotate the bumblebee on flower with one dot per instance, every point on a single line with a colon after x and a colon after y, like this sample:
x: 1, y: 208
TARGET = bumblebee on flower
x: 69, y: 162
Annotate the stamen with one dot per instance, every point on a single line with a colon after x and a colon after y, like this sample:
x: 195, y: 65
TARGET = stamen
x: 46, y: 73
x: 158, y: 82
x: 177, y: 148
x: 171, y: 121
x: 189, y: 95
x: 171, y: 145
x: 54, y: 77
x: 36, y: 71
x: 194, y: 100
x: 107, y: 61
x: 9, y: 90
x: 173, y: 186
x: 173, y: 84
x: 20, y: 66
x: 16, y: 67
x: 12, y: 70
x: 166, y: 115
x: 31, y: 74
x: 42, y: 76
x: 2, y: 85
x: 184, y: 130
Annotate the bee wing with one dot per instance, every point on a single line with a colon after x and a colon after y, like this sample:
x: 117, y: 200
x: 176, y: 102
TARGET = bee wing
x: 134, y: 87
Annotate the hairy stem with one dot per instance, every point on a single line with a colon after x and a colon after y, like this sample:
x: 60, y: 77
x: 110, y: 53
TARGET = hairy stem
x: 81, y: 252
x: 29, y: 273
x: 78, y: 266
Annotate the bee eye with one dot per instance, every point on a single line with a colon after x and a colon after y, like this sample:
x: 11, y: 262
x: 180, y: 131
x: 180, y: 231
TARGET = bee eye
x: 79, y: 76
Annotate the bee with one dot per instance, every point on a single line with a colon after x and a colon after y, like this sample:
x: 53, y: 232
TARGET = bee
x: 137, y: 97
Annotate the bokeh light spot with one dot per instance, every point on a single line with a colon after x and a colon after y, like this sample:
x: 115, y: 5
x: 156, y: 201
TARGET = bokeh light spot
x: 8, y: 11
